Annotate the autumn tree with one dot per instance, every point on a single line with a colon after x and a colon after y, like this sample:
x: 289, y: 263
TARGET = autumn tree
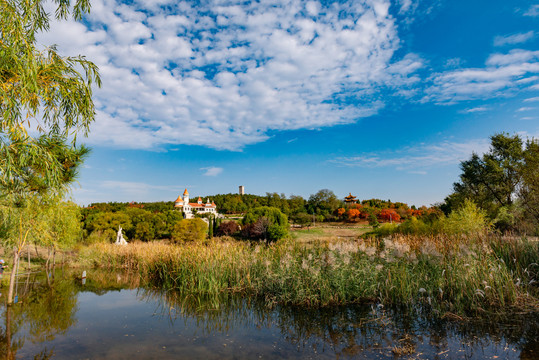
x: 228, y: 228
x: 353, y: 214
x: 389, y: 215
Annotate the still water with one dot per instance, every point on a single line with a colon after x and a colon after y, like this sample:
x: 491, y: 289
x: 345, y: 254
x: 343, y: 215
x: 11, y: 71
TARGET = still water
x: 111, y: 316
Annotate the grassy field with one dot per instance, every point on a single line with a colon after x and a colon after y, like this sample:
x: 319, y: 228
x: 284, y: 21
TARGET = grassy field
x: 329, y: 232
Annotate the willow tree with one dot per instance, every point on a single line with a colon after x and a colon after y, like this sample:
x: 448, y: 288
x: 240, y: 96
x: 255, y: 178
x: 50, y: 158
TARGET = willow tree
x: 43, y: 93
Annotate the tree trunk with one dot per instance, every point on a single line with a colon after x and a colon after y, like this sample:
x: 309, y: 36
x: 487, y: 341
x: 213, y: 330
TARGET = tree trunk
x: 12, y: 278
x: 53, y: 257
x: 28, y: 256
x: 9, y: 352
x: 48, y: 258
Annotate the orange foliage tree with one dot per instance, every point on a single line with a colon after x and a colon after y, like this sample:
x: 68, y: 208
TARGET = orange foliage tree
x: 353, y: 214
x: 389, y: 215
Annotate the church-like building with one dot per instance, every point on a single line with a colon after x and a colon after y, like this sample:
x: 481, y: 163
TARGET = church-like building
x: 187, y: 208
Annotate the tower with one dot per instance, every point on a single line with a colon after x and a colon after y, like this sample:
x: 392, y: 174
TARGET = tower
x: 185, y: 197
x: 242, y: 190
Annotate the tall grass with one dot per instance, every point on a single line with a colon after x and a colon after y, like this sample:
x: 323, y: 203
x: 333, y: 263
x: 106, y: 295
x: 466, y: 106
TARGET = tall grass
x: 445, y: 274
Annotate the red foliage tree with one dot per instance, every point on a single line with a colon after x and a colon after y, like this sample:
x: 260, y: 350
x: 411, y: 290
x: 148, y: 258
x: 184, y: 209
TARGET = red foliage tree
x: 389, y: 215
x: 228, y: 228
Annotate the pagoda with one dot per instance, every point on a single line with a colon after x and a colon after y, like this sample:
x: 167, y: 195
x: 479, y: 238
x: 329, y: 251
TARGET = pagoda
x: 350, y: 199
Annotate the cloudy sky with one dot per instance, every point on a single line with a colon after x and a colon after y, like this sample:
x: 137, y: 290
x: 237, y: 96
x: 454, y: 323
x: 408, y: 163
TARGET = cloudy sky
x: 378, y: 98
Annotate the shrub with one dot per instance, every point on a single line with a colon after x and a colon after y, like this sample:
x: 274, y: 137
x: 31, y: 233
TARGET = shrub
x: 228, y: 228
x: 468, y: 219
x: 413, y: 226
x: 100, y: 236
x: 190, y: 230
x: 302, y: 219
x: 373, y: 221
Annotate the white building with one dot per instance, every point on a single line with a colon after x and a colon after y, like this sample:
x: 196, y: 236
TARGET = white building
x: 188, y: 208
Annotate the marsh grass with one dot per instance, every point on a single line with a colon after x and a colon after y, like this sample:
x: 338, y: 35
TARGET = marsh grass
x: 440, y: 274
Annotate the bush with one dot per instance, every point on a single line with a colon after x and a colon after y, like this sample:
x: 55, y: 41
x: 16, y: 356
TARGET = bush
x: 100, y: 236
x: 387, y: 229
x: 228, y: 228
x: 468, y: 219
x: 188, y: 230
x: 302, y: 219
x: 413, y: 226
x: 505, y: 220
x: 373, y: 221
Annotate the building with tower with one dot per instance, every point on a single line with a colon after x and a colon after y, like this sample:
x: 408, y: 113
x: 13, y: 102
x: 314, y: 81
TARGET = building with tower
x: 189, y: 208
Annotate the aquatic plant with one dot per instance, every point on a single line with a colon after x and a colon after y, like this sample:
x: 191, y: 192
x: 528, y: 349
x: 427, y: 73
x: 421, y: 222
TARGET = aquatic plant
x: 445, y: 274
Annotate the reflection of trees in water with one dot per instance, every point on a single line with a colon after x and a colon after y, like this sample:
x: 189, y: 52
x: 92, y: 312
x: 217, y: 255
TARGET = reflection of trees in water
x: 48, y: 305
x: 46, y: 308
x: 350, y: 330
x: 211, y: 313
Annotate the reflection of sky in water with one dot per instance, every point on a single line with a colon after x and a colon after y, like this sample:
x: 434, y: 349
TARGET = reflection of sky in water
x: 140, y: 324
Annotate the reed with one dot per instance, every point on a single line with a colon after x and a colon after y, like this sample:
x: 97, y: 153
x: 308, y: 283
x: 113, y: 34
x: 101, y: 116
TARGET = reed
x: 459, y: 275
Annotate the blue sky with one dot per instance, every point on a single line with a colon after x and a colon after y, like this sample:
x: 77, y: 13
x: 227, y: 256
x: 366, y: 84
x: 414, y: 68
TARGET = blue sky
x: 381, y: 99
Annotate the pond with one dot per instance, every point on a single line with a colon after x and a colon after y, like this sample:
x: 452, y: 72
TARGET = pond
x: 111, y: 316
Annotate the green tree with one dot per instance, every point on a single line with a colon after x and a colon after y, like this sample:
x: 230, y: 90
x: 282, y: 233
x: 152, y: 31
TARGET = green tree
x: 504, y: 179
x: 106, y: 224
x: 265, y: 222
x: 528, y: 192
x: 190, y: 230
x: 324, y: 203
x: 63, y: 225
x: 491, y: 180
x: 39, y: 88
x: 42, y: 90
x: 296, y: 204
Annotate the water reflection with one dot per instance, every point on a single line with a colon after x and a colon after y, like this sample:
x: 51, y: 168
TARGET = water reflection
x: 58, y: 315
x: 361, y: 330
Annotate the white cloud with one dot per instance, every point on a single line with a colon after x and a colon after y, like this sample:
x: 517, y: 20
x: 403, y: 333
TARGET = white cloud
x: 212, y: 171
x: 532, y: 11
x: 417, y: 158
x: 406, y: 6
x: 532, y: 99
x: 526, y: 108
x: 223, y: 75
x: 513, y: 39
x: 503, y: 73
x: 475, y: 109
